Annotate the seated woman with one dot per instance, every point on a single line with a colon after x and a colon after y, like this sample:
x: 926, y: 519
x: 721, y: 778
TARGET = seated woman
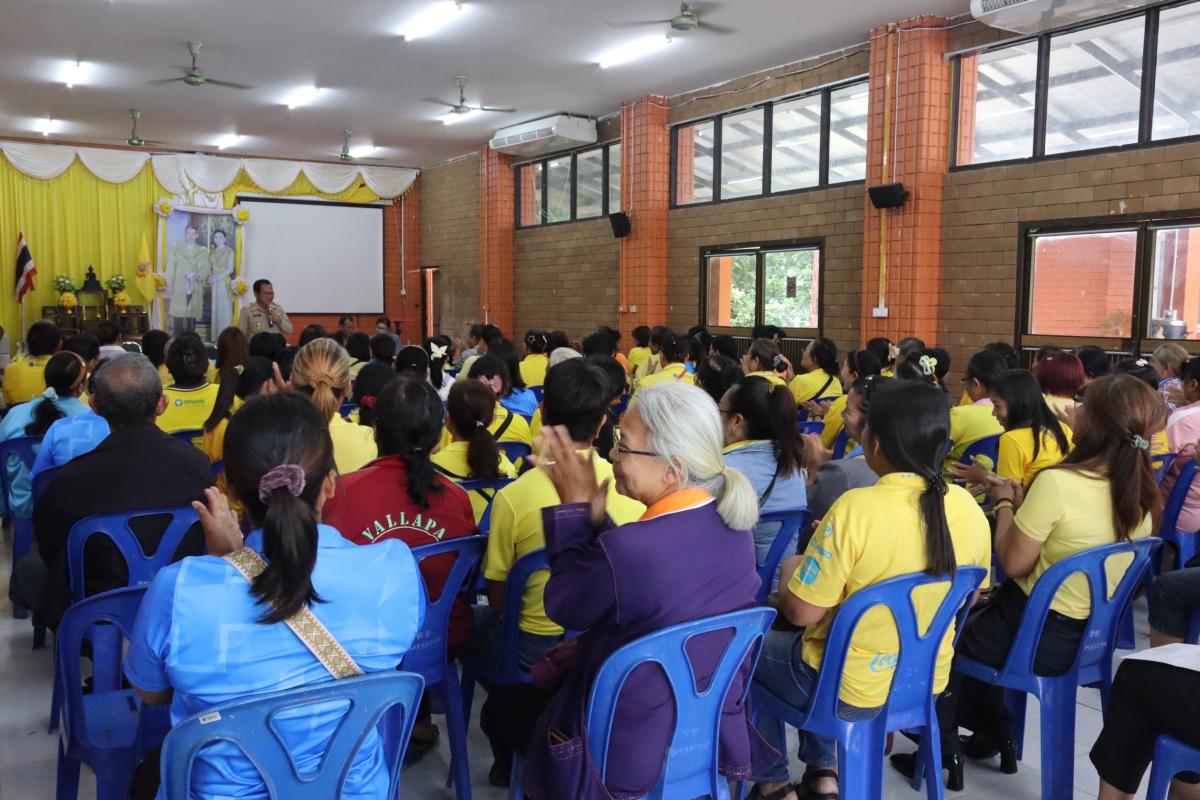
x: 438, y: 350
x: 882, y: 348
x: 321, y: 370
x: 1140, y: 368
x: 1183, y: 429
x: 661, y: 567
x: 65, y: 374
x: 1061, y: 377
x: 207, y: 633
x: 190, y: 396
x: 1168, y: 360
x: 1033, y: 438
x: 506, y: 426
x: 1072, y: 506
x: 537, y: 361
x: 764, y: 360
x: 472, y: 453
x: 618, y: 381
x: 715, y: 374
x: 519, y: 399
x: 672, y: 353
x: 358, y: 345
x: 256, y: 375
x: 761, y: 443
x: 819, y: 379
x: 371, y: 381
x: 857, y: 364
x: 974, y: 421
x: 233, y: 347
x: 154, y: 347
x: 909, y: 522
x: 829, y: 478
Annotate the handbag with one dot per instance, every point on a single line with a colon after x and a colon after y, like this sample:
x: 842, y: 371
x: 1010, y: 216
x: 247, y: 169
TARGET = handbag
x: 549, y: 672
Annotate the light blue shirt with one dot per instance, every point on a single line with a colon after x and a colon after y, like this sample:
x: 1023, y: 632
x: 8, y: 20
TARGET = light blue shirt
x: 197, y: 632
x: 521, y: 401
x: 68, y: 438
x: 20, y: 495
x: 756, y: 460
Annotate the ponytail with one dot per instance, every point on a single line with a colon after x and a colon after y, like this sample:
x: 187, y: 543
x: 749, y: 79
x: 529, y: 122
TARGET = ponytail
x: 471, y: 407
x: 770, y: 413
x: 290, y: 546
x: 437, y: 358
x: 242, y: 380
x: 737, y: 502
x: 321, y: 370
x: 64, y: 372
x: 408, y: 423
x: 223, y: 405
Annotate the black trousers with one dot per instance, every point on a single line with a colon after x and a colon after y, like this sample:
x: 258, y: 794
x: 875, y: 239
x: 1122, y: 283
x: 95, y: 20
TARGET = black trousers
x: 1147, y: 701
x: 508, y: 718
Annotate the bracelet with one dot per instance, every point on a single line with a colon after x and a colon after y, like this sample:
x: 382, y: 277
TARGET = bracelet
x: 1005, y: 503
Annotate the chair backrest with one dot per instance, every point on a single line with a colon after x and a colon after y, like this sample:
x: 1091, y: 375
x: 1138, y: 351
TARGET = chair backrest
x: 915, y: 664
x: 692, y: 757
x: 189, y: 436
x: 427, y: 656
x: 24, y: 448
x: 515, y: 450
x: 249, y: 724
x: 487, y: 490
x: 218, y: 467
x: 142, y: 567
x: 119, y: 608
x: 793, y: 521
x: 622, y: 405
x: 802, y: 414
x: 539, y: 392
x: 987, y: 447
x: 42, y: 481
x: 346, y: 409
x: 508, y: 670
x: 1162, y: 464
x: 810, y: 427
x: 840, y: 443
x: 1099, y: 640
x: 1179, y: 493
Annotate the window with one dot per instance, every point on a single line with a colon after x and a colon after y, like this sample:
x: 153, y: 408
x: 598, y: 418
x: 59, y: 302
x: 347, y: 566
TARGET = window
x: 784, y: 146
x: 1123, y: 286
x: 569, y: 187
x: 775, y: 284
x: 1084, y: 88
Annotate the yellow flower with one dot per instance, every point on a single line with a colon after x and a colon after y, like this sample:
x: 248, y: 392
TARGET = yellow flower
x: 160, y: 280
x: 240, y: 287
x: 164, y: 208
x: 242, y: 215
x: 68, y: 300
x: 122, y: 301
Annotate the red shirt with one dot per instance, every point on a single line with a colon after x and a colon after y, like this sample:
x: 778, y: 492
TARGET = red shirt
x: 373, y: 504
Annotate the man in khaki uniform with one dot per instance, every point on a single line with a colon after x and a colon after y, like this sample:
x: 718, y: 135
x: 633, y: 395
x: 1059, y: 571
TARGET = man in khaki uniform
x: 264, y: 315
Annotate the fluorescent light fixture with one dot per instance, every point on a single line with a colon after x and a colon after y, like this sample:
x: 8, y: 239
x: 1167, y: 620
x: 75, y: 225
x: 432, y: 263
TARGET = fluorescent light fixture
x: 453, y: 118
x: 302, y: 96
x: 431, y: 20
x: 363, y: 150
x: 633, y: 50
x: 228, y: 140
x: 75, y: 72
x: 46, y: 126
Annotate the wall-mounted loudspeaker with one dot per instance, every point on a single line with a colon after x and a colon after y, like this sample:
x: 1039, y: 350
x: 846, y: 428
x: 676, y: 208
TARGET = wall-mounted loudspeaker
x: 620, y: 224
x: 888, y: 195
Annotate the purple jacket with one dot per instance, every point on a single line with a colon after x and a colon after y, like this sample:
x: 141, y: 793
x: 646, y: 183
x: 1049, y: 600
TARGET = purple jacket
x: 619, y: 585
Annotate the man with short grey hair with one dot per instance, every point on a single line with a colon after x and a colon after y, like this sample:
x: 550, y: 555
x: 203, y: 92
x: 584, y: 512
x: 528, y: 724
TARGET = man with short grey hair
x: 137, y: 466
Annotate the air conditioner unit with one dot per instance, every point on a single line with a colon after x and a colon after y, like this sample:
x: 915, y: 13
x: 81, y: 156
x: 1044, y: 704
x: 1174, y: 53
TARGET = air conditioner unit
x: 547, y: 135
x: 1035, y: 16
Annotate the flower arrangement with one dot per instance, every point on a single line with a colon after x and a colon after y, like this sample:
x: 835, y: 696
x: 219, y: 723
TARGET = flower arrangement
x: 160, y: 280
x: 163, y: 208
x: 68, y: 300
x: 240, y: 287
x: 242, y: 216
x: 116, y: 283
x: 122, y: 301
x: 63, y: 283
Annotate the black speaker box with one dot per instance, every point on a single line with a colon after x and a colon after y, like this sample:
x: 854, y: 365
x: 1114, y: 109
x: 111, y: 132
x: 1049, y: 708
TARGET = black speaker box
x: 888, y: 195
x: 620, y: 224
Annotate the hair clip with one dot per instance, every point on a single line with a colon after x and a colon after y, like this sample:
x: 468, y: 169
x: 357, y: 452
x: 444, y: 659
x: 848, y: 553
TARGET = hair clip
x: 239, y: 369
x: 1141, y: 362
x: 1139, y: 443
x: 50, y: 394
x: 928, y: 364
x: 479, y: 424
x: 893, y: 352
x: 367, y: 402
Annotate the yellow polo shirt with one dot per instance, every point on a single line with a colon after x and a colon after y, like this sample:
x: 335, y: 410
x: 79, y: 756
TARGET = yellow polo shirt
x: 213, y: 375
x: 533, y: 369
x: 805, y: 387
x: 965, y: 399
x: 773, y: 377
x: 671, y: 372
x: 834, y: 424
x: 637, y: 355
x: 1057, y: 403
x: 1015, y: 456
x: 868, y: 536
x: 969, y: 424
x: 25, y: 379
x: 643, y: 369
x: 187, y: 409
x: 353, y: 444
x: 517, y: 431
x: 466, y: 369
x: 453, y: 459
x: 164, y: 374
x: 1070, y: 512
x: 517, y: 531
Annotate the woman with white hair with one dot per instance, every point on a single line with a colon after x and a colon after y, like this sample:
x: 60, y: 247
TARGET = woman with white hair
x: 690, y: 556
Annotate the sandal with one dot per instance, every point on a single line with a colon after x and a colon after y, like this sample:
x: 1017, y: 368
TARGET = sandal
x: 806, y: 789
x: 780, y: 793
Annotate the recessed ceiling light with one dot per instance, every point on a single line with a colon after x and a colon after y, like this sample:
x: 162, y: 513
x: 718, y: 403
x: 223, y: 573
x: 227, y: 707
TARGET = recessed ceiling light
x: 633, y: 50
x: 75, y: 72
x: 302, y: 96
x: 46, y: 126
x: 431, y: 20
x: 452, y: 118
x: 228, y: 140
x: 363, y: 150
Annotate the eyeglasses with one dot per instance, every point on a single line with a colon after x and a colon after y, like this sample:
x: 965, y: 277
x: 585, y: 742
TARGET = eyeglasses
x: 624, y: 451
x: 869, y: 385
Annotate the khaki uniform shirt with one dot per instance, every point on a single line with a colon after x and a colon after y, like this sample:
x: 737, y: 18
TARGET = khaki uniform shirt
x: 254, y: 320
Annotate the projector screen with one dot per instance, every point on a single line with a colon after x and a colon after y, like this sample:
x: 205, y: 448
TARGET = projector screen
x: 322, y: 258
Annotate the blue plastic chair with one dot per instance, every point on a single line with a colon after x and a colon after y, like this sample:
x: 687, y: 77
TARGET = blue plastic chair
x: 516, y: 451
x: 1162, y: 464
x: 1171, y: 757
x: 691, y: 765
x: 1168, y: 530
x: 802, y: 415
x: 1093, y: 662
x: 483, y: 486
x: 24, y: 448
x: 249, y: 724
x: 539, y: 392
x: 42, y: 481
x: 189, y: 436
x: 988, y: 446
x: 109, y: 730
x: 428, y: 656
x: 840, y: 443
x: 218, y: 467
x: 346, y: 409
x: 910, y: 702
x: 792, y: 522
x: 803, y: 427
x: 622, y: 405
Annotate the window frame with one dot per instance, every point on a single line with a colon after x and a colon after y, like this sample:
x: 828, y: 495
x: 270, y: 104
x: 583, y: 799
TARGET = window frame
x: 767, y: 107
x: 1145, y: 225
x: 760, y: 250
x: 574, y: 180
x: 1041, y: 92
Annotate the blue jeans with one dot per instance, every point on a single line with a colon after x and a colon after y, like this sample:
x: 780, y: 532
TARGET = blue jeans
x: 781, y: 670
x: 485, y: 639
x: 1174, y: 597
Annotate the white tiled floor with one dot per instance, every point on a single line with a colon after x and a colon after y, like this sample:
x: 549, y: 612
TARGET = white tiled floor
x: 28, y: 754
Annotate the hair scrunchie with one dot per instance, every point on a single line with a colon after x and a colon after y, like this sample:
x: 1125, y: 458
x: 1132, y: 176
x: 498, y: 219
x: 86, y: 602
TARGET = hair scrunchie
x: 367, y: 402
x: 1138, y: 443
x: 321, y: 377
x: 285, y: 476
x: 50, y: 394
x: 939, y: 485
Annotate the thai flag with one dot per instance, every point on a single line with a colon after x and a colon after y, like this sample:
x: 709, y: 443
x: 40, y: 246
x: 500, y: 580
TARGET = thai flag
x: 25, y: 267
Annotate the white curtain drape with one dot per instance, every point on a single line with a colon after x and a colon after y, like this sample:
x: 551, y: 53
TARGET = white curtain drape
x: 184, y: 174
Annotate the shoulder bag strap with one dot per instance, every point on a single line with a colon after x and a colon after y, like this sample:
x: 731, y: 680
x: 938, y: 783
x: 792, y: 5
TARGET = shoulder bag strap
x: 766, y: 495
x: 821, y: 392
x: 481, y: 492
x: 503, y: 426
x: 315, y: 636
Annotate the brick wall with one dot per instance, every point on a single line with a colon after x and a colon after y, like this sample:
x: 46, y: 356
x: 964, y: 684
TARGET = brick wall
x: 567, y: 278
x: 450, y: 240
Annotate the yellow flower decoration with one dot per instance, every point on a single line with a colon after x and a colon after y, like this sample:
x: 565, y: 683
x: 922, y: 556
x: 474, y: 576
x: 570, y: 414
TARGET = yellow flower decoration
x: 242, y: 216
x: 122, y: 301
x: 160, y: 280
x: 68, y: 300
x: 240, y: 287
x: 164, y: 208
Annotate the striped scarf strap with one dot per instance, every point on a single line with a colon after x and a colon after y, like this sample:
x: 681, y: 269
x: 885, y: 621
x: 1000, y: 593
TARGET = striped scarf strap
x: 304, y: 623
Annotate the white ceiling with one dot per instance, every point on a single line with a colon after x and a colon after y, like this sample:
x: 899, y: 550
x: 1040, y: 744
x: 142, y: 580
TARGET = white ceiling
x: 539, y: 56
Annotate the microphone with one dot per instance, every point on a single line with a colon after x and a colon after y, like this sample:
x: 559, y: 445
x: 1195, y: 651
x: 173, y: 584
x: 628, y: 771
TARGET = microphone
x: 270, y: 319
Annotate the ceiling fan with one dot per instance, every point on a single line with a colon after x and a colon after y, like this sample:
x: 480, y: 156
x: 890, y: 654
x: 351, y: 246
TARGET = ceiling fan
x: 687, y: 19
x: 461, y: 106
x: 135, y: 139
x: 193, y: 77
x: 345, y: 155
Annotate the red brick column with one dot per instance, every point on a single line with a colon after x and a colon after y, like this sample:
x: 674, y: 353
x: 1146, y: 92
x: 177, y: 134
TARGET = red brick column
x: 645, y: 187
x: 915, y: 100
x: 496, y: 249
